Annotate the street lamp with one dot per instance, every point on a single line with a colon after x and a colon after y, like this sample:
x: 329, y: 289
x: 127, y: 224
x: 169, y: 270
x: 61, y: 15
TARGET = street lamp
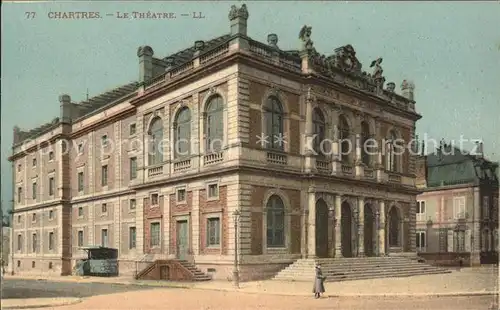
x: 236, y: 275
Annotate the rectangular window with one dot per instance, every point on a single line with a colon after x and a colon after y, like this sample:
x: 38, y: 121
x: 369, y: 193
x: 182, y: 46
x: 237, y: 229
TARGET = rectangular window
x: 459, y: 241
x: 155, y: 235
x: 19, y: 242
x: 104, y: 175
x: 131, y: 237
x: 51, y: 156
x: 80, y: 238
x: 19, y: 168
x: 80, y: 181
x: 18, y: 219
x: 213, y: 191
x: 33, y: 217
x: 132, y: 129
x: 104, y: 208
x: 51, y: 241
x: 459, y: 207
x: 420, y: 241
x: 104, y: 237
x: 80, y: 211
x: 104, y: 140
x: 19, y: 194
x: 52, y: 185
x: 132, y: 204
x: 181, y: 195
x: 34, y: 190
x: 486, y: 207
x: 80, y: 148
x: 154, y: 199
x: 51, y: 214
x: 420, y: 210
x: 34, y: 243
x: 213, y: 232
x: 133, y: 168
x: 34, y: 162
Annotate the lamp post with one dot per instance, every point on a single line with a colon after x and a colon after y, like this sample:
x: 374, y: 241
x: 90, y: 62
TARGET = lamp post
x: 236, y: 275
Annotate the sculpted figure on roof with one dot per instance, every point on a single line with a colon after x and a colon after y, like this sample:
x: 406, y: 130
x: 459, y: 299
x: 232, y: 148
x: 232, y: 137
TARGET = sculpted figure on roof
x: 235, y: 12
x: 305, y: 37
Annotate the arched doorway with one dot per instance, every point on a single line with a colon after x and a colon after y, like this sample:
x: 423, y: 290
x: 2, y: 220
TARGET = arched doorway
x: 394, y: 228
x: 321, y: 228
x: 346, y: 230
x: 369, y: 230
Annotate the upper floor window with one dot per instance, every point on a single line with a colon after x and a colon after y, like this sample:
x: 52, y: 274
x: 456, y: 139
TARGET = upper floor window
x: 182, y: 126
x: 319, y: 131
x: 344, y: 136
x: 34, y: 243
x: 486, y: 207
x: 214, y: 124
x: 80, y: 148
x: 80, y: 181
x: 104, y: 175
x: 366, y: 148
x: 273, y: 115
x: 155, y: 135
x: 19, y: 194
x: 392, y: 157
x: 34, y: 162
x: 51, y: 156
x: 133, y: 168
x: 19, y: 168
x: 34, y: 190
x: 459, y: 207
x: 132, y: 129
x: 420, y: 210
x: 104, y: 140
x: 52, y: 186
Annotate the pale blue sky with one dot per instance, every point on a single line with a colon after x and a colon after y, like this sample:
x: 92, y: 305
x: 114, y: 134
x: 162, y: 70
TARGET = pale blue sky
x: 451, y: 50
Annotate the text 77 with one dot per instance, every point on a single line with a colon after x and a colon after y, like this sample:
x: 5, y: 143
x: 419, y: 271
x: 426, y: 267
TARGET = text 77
x: 30, y: 15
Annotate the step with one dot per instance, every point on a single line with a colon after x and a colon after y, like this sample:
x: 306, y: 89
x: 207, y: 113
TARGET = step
x: 348, y: 277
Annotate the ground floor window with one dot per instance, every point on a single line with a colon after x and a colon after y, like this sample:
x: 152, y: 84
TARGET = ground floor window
x: 213, y: 231
x: 459, y: 241
x: 104, y: 237
x: 155, y: 235
x: 420, y: 241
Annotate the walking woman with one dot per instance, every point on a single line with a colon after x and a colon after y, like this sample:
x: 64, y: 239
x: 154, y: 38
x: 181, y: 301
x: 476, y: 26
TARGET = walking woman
x: 319, y: 280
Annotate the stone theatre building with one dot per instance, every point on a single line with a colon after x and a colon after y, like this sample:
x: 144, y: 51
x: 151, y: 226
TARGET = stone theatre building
x: 254, y: 115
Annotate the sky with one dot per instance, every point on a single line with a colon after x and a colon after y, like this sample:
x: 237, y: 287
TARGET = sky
x: 450, y: 50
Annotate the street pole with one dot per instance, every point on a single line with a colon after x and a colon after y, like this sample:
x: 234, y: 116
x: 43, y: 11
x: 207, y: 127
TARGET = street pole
x: 236, y: 275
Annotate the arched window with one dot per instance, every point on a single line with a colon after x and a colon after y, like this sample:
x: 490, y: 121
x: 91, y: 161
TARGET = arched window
x: 182, y: 127
x: 392, y: 159
x: 275, y: 222
x: 155, y: 133
x: 366, y: 148
x: 274, y: 123
x: 344, y: 136
x: 214, y: 125
x: 319, y: 131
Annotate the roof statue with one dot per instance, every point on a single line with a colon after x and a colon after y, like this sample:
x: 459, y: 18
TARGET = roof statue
x: 305, y: 37
x: 377, y: 72
x: 234, y: 12
x: 345, y: 58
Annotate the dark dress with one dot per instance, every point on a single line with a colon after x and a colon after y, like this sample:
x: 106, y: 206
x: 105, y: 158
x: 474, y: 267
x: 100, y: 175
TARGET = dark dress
x: 319, y: 287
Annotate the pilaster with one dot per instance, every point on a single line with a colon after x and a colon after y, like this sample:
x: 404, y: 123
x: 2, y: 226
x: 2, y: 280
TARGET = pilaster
x: 338, y: 215
x: 413, y: 224
x: 166, y: 221
x: 304, y: 223
x: 139, y: 223
x: 361, y: 226
x: 91, y: 164
x: 245, y: 228
x: 381, y: 231
x: 311, y: 236
x: 195, y: 222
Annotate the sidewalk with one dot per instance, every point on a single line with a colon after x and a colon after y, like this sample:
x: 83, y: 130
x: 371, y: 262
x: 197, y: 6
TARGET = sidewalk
x: 468, y: 282
x: 31, y: 303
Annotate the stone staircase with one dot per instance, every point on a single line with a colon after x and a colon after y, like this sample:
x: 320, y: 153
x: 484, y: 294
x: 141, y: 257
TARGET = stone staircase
x: 198, y: 274
x: 347, y: 269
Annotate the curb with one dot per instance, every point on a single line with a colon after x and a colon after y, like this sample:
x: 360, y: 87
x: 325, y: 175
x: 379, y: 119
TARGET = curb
x: 44, y: 305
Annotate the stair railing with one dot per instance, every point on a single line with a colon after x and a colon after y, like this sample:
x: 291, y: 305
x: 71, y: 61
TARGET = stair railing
x: 142, y: 260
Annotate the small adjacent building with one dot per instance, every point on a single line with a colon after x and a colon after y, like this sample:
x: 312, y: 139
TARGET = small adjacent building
x: 457, y: 212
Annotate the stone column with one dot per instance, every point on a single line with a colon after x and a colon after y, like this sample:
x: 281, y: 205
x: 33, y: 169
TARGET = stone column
x: 338, y: 215
x: 361, y: 226
x: 358, y: 162
x: 381, y: 231
x: 311, y: 227
x: 412, y: 226
x: 331, y: 232
x: 379, y: 165
x: 377, y: 231
x: 476, y: 229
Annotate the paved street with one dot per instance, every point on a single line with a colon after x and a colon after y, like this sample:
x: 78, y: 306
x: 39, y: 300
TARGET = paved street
x: 187, y: 299
x: 20, y: 288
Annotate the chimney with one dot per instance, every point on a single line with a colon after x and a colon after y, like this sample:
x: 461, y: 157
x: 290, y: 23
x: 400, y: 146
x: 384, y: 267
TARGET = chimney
x: 238, y: 18
x: 169, y: 61
x: 198, y: 47
x: 407, y: 88
x: 66, y: 109
x: 145, y: 54
x: 480, y: 150
x: 423, y: 147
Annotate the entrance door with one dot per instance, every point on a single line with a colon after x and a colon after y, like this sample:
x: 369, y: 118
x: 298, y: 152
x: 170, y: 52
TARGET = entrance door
x: 321, y: 229
x: 182, y: 239
x: 346, y: 230
x: 164, y: 273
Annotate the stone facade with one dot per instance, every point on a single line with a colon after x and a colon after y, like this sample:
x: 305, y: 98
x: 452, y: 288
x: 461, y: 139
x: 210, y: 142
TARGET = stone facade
x: 112, y: 184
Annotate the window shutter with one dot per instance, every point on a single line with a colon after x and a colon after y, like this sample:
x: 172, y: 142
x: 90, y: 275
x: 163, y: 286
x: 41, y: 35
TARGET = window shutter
x: 450, y: 240
x: 467, y: 240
